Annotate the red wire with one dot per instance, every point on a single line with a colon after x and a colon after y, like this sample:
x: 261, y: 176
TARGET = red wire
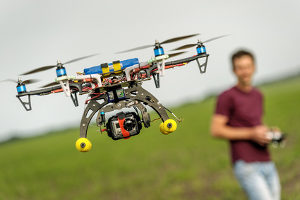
x: 99, y: 94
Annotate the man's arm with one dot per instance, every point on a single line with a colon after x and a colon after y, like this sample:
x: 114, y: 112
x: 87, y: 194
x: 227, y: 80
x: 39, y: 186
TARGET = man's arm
x: 220, y: 129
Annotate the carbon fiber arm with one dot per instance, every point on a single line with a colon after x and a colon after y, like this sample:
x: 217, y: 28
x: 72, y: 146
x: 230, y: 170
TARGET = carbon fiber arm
x: 186, y: 60
x: 48, y: 90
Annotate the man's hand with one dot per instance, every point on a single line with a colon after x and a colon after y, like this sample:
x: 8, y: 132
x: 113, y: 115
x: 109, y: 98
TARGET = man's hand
x: 260, y: 135
x: 220, y: 129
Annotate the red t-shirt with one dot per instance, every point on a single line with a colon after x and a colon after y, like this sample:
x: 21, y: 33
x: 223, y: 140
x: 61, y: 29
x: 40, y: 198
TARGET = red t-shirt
x: 243, y: 109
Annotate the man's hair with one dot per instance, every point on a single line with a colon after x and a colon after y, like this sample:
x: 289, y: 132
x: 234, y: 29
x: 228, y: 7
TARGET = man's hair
x: 239, y: 54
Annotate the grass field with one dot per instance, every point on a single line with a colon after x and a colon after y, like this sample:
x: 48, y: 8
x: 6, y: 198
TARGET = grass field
x: 187, y: 164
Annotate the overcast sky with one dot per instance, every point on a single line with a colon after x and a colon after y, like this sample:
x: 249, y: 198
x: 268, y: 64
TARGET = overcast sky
x: 35, y: 33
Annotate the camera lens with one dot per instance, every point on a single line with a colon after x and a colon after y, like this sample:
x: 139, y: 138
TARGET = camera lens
x: 129, y: 124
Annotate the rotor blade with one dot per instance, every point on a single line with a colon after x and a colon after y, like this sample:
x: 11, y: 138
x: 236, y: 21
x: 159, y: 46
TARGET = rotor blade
x: 164, y: 42
x: 80, y: 58
x: 175, y: 54
x: 214, y: 38
x: 30, y: 81
x: 137, y: 48
x: 40, y: 69
x: 178, y: 38
x: 50, y: 84
x: 9, y: 80
x: 184, y: 47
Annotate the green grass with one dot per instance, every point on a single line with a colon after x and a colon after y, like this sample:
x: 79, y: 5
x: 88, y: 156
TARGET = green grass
x: 187, y: 164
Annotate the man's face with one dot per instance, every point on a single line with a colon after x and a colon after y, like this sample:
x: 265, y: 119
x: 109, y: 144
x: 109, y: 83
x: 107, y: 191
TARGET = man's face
x: 244, y: 68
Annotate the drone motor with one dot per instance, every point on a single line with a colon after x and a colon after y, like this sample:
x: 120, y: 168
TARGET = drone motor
x: 21, y: 88
x: 60, y: 70
x: 158, y: 50
x: 200, y: 48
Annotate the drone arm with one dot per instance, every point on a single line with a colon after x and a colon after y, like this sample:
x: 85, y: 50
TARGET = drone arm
x: 50, y: 90
x: 174, y: 63
x: 40, y: 92
x: 27, y: 104
x: 186, y: 60
x: 171, y: 64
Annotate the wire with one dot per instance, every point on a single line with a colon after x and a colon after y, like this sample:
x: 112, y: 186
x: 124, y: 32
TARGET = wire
x: 99, y: 94
x: 178, y: 119
x: 155, y: 119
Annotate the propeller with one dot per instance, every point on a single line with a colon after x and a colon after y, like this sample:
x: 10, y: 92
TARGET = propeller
x: 28, y: 81
x: 175, y: 39
x: 50, y: 84
x: 176, y: 54
x: 199, y: 42
x: 44, y: 68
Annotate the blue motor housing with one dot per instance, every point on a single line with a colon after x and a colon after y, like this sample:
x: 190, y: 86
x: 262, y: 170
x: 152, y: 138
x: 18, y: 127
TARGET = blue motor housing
x: 201, y: 49
x: 61, y: 71
x: 21, y: 88
x: 98, y: 70
x: 159, y: 51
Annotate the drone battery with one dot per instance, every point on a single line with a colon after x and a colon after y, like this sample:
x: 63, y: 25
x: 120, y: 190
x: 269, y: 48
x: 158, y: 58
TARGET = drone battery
x: 124, y: 64
x: 129, y: 62
x: 21, y: 88
x: 201, y: 49
x: 61, y: 71
x: 93, y: 70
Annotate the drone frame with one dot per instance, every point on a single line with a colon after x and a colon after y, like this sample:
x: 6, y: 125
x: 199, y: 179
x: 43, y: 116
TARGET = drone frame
x: 104, y: 98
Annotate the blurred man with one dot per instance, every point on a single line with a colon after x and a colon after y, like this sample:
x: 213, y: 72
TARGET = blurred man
x: 238, y: 118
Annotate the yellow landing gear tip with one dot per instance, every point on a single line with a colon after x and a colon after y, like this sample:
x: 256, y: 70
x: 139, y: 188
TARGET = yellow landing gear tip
x: 83, y: 145
x: 168, y: 126
x: 161, y: 128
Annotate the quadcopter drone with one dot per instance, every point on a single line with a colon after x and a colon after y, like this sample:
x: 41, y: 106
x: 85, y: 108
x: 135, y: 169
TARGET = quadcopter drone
x: 115, y: 86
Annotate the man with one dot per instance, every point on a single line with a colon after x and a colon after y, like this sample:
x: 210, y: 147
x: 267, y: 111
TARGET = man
x: 238, y: 118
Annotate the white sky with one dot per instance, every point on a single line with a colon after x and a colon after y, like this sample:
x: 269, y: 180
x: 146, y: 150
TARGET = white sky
x: 35, y: 33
